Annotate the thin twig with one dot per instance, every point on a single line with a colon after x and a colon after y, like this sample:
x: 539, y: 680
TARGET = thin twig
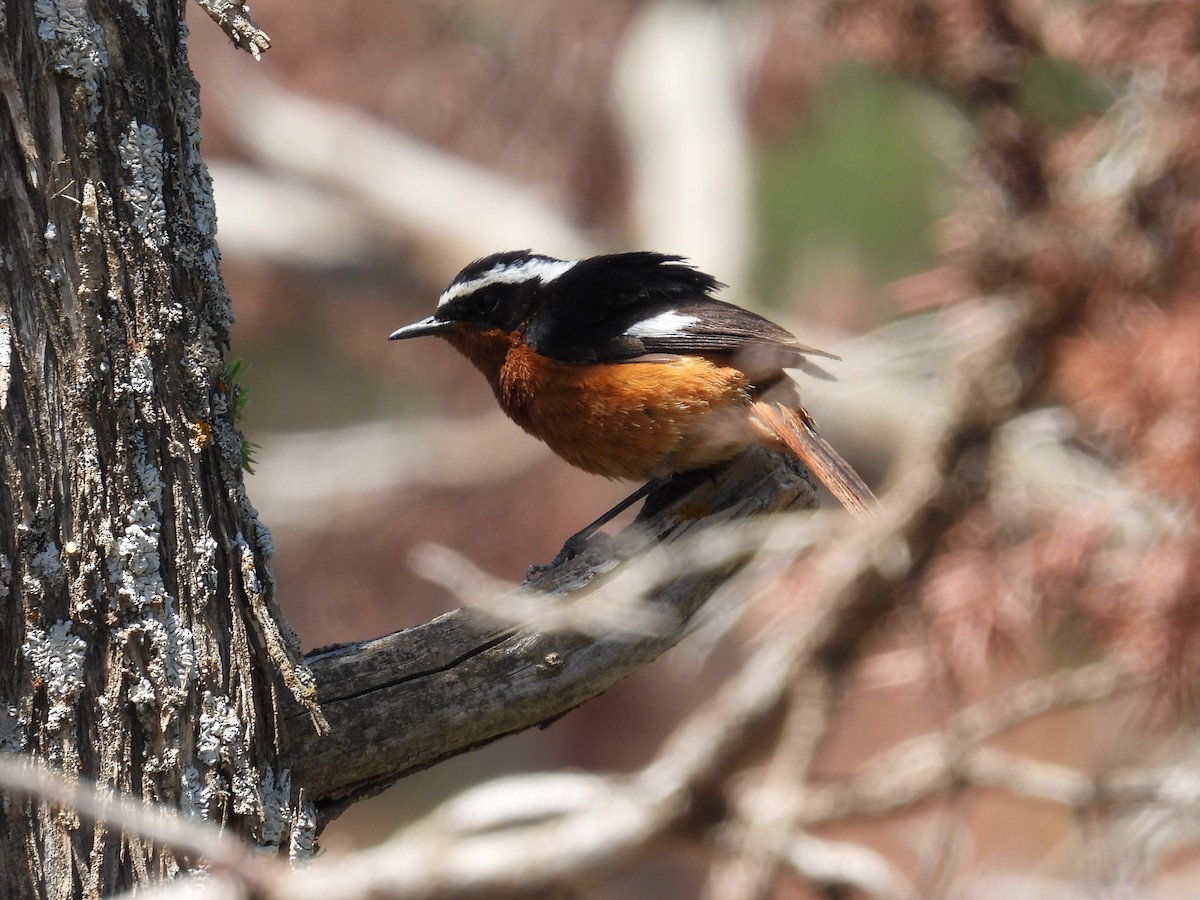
x: 234, y: 18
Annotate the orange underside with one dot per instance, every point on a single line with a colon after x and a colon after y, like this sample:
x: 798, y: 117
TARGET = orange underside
x: 635, y: 420
x: 654, y: 417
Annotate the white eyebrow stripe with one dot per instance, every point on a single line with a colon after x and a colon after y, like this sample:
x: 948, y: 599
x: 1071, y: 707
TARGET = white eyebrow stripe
x: 544, y: 270
x: 664, y: 324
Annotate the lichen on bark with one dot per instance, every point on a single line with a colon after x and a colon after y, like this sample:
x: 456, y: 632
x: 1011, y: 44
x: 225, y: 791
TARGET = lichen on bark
x: 140, y: 645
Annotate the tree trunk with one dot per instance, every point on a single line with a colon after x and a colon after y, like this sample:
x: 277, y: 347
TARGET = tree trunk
x: 140, y: 645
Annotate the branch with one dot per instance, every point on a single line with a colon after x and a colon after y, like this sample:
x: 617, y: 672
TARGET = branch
x: 234, y: 18
x: 525, y: 832
x: 535, y: 832
x: 837, y: 864
x: 923, y: 766
x: 405, y: 701
x: 763, y: 813
x: 360, y: 464
x: 453, y: 207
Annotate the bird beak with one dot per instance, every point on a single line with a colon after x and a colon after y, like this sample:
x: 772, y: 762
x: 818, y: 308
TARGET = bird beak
x: 432, y: 325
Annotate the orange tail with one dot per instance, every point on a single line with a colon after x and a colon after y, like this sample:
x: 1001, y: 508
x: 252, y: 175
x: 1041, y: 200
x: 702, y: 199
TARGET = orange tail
x: 794, y: 429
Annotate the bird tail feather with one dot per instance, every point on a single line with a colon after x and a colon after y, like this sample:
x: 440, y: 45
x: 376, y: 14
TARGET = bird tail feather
x: 795, y: 431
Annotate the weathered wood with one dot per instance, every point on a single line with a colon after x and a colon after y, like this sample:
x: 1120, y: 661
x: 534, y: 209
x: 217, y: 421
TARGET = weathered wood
x: 402, y: 702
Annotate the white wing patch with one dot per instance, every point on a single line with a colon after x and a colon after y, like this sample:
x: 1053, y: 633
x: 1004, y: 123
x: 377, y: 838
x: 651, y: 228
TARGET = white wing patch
x: 542, y: 268
x: 665, y: 324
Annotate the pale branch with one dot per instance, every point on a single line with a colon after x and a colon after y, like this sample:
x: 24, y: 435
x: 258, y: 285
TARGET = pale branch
x: 842, y: 864
x: 764, y: 806
x: 270, y: 220
x: 453, y: 208
x: 361, y: 464
x: 405, y: 701
x: 1040, y: 696
x: 535, y: 831
x: 479, y: 845
x: 234, y: 18
x: 23, y: 776
x: 919, y: 768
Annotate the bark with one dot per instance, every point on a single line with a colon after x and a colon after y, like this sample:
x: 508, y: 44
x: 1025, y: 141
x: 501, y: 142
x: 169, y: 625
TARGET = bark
x: 140, y: 645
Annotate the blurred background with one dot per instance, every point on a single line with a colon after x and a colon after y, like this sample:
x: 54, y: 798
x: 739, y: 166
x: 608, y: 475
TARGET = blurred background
x: 872, y: 175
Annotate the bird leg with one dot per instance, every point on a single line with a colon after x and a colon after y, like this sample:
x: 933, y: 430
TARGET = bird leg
x: 575, y: 544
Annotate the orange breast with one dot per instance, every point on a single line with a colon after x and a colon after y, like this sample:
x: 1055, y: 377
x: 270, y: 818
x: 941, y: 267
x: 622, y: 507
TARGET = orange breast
x: 635, y: 420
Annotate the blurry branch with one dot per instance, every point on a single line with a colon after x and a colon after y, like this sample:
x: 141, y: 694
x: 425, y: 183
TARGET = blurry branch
x: 28, y: 778
x: 921, y: 767
x: 678, y: 97
x: 317, y: 479
x: 764, y: 810
x: 450, y: 206
x: 536, y: 832
x: 841, y: 864
x: 234, y: 18
x: 763, y: 546
x: 527, y: 832
x: 285, y: 221
x: 617, y: 607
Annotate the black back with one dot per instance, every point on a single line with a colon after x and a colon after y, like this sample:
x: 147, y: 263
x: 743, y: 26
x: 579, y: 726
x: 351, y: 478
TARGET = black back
x: 588, y: 313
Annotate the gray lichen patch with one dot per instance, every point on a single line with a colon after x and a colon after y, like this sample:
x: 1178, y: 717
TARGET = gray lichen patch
x: 205, y: 552
x: 203, y: 366
x: 286, y: 821
x: 198, y: 246
x: 141, y: 152
x: 161, y: 647
x: 199, y: 181
x: 141, y: 375
x: 222, y: 747
x: 56, y: 657
x: 136, y: 568
x: 77, y: 42
x: 276, y: 806
x: 195, y: 795
x: 169, y: 657
x: 302, y: 842
x: 13, y: 730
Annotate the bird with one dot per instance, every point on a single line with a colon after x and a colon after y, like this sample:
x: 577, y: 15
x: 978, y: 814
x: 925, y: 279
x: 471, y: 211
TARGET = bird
x: 628, y: 366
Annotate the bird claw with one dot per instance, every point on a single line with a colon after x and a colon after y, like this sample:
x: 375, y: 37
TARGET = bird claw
x: 574, y: 546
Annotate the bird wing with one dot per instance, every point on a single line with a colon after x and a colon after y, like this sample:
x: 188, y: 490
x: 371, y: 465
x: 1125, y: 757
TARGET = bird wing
x: 627, y: 306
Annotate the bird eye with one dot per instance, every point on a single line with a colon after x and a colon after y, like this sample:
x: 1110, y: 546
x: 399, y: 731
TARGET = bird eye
x: 486, y: 303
